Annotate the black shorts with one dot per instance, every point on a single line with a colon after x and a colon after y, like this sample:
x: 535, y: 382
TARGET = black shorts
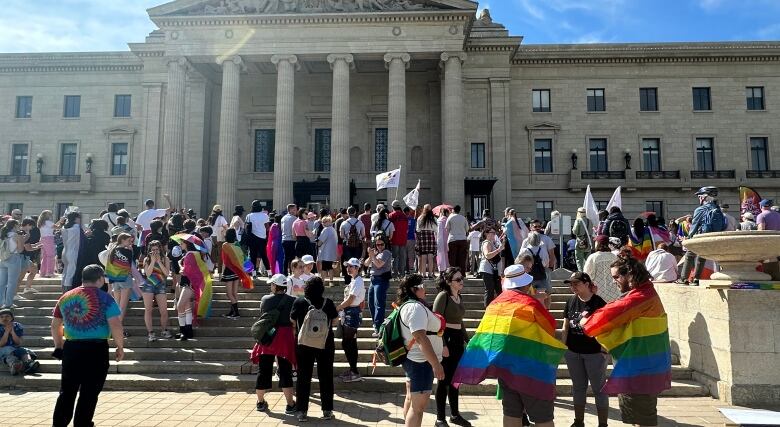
x: 641, y: 409
x: 515, y: 404
x: 327, y: 265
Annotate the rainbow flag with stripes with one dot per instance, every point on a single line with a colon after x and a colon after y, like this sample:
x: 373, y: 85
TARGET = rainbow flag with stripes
x: 641, y: 246
x: 515, y: 343
x: 200, y: 279
x: 233, y: 258
x: 118, y: 268
x: 634, y: 329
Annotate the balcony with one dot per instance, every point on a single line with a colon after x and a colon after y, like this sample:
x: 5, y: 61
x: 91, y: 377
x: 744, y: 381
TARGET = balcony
x: 14, y: 179
x: 60, y: 178
x: 657, y: 174
x: 604, y: 175
x: 762, y: 174
x: 726, y: 174
x: 37, y: 183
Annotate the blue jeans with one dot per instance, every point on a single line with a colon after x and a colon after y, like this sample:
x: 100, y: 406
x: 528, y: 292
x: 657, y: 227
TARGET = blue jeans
x: 9, y: 278
x: 377, y: 300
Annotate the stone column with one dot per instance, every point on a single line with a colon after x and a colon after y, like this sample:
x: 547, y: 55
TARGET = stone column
x: 173, y: 133
x: 286, y: 65
x: 453, y: 150
x: 339, y: 145
x: 227, y: 170
x: 397, y: 63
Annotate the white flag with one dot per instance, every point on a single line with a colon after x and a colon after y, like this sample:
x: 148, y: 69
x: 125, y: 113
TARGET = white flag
x: 616, y: 200
x: 591, y: 211
x: 388, y: 179
x: 412, y: 199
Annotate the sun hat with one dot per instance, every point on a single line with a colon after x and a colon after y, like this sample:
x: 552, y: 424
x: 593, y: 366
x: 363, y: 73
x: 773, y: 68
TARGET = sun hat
x: 307, y: 259
x: 352, y: 262
x: 515, y: 277
x: 278, y: 280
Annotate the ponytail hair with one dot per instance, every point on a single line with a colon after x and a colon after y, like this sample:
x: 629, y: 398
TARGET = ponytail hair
x: 406, y: 289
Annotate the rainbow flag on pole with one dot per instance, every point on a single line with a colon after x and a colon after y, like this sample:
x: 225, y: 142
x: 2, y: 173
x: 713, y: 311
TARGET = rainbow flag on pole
x: 634, y: 329
x: 515, y: 343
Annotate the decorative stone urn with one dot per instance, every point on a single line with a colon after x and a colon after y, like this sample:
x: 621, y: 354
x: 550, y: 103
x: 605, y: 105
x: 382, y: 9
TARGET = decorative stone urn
x: 737, y: 253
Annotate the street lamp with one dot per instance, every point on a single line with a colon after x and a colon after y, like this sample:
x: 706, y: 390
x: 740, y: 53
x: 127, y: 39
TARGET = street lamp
x: 574, y: 159
x: 627, y: 157
x: 39, y: 163
x: 89, y: 162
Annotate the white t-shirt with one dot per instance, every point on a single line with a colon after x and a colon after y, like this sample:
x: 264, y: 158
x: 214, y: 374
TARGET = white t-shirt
x: 110, y: 218
x: 356, y: 288
x: 258, y: 221
x: 48, y: 229
x: 416, y: 317
x: 219, y: 228
x: 662, y: 266
x: 146, y: 217
x: 474, y: 237
x: 295, y: 286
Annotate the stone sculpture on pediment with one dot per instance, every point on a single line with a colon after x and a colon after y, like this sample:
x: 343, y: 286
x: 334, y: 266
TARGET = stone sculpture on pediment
x: 244, y: 7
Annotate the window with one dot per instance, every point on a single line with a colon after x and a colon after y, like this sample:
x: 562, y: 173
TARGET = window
x: 72, y: 106
x: 602, y: 205
x: 62, y: 208
x: 68, y: 159
x: 543, y: 209
x: 265, y: 142
x: 651, y: 154
x: 648, y: 99
x: 755, y: 98
x: 541, y: 100
x: 19, y: 157
x: 23, y: 107
x: 655, y: 206
x: 122, y: 105
x: 596, y: 100
x: 543, y: 162
x: 705, y: 156
x: 598, y: 155
x: 119, y: 159
x: 322, y: 150
x: 380, y: 150
x: 12, y: 206
x: 478, y: 156
x: 759, y: 161
x: 701, y: 99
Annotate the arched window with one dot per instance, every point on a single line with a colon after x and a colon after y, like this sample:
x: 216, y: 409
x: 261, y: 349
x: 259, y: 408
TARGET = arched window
x: 355, y: 159
x: 417, y: 159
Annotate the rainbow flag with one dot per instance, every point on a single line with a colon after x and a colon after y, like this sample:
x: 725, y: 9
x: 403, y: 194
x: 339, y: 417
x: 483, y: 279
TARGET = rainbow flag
x: 634, y: 329
x: 200, y: 279
x: 641, y: 247
x: 516, y: 343
x: 118, y: 268
x: 233, y: 258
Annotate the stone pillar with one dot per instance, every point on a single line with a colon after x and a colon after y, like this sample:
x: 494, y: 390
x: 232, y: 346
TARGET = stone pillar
x: 500, y: 144
x: 397, y: 63
x: 453, y: 150
x: 227, y: 171
x: 173, y: 134
x: 339, y: 147
x: 286, y: 65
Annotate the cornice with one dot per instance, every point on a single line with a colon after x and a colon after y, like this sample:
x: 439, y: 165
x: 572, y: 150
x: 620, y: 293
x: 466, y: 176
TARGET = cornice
x: 645, y: 60
x: 68, y: 68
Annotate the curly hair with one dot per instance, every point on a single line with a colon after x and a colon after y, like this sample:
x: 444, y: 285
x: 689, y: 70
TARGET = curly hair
x: 406, y: 289
x: 633, y: 268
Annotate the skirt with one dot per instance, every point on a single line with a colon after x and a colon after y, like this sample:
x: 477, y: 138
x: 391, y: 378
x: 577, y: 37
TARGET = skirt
x: 228, y: 275
x: 426, y: 242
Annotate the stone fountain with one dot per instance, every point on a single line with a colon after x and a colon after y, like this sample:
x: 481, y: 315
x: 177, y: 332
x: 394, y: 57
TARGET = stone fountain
x: 737, y: 253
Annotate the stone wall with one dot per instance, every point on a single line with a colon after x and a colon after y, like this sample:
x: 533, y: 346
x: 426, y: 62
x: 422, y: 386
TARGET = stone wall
x: 729, y: 338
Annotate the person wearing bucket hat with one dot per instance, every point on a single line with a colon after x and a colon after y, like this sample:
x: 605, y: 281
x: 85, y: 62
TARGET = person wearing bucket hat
x: 350, y: 314
x: 584, y: 357
x: 515, y: 277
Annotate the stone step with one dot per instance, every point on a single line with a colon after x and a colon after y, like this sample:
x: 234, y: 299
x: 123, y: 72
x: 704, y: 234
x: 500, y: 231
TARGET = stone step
x: 217, y: 383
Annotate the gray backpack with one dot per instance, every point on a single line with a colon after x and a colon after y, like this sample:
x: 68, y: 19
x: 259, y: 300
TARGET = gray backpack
x: 315, y: 328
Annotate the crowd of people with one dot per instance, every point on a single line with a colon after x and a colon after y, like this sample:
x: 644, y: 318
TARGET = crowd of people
x: 301, y: 253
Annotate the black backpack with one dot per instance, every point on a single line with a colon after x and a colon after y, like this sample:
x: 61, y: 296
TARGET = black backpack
x: 619, y: 228
x: 538, y: 272
x: 353, y: 237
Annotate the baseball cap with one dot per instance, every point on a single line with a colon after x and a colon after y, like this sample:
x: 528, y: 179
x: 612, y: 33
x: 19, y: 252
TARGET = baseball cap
x: 278, y: 280
x: 307, y: 259
x: 217, y: 208
x: 515, y: 277
x: 396, y: 204
x: 764, y: 203
x: 7, y: 311
x: 579, y: 277
x: 352, y: 262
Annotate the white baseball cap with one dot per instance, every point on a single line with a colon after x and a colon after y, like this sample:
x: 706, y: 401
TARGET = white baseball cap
x: 307, y: 259
x: 278, y: 280
x: 352, y: 262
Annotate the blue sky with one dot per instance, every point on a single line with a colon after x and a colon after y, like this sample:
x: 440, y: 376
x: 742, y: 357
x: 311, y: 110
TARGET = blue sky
x: 98, y: 25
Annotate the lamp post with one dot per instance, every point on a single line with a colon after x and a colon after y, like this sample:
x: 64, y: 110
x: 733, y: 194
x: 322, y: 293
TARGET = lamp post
x: 574, y: 159
x: 627, y: 158
x: 89, y: 162
x: 39, y: 163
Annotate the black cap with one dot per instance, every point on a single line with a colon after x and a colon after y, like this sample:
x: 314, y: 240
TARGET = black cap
x: 7, y: 311
x: 579, y: 276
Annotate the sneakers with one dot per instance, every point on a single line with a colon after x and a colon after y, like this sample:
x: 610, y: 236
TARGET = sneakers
x: 302, y: 418
x: 526, y: 420
x: 152, y: 337
x: 32, y: 367
x: 262, y: 406
x: 344, y: 375
x: 327, y: 415
x: 458, y: 420
x: 375, y: 334
x: 31, y: 291
x: 578, y: 424
x: 289, y: 410
x: 166, y: 334
x: 15, y: 365
x: 126, y: 334
x: 352, y: 378
x: 441, y: 423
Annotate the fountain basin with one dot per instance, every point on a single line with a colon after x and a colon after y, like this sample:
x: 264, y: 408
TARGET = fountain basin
x: 737, y: 252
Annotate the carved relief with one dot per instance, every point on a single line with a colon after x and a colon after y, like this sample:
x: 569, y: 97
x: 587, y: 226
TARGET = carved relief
x: 244, y: 7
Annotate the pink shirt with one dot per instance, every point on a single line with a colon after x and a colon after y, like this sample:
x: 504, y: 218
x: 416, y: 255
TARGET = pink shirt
x: 299, y: 228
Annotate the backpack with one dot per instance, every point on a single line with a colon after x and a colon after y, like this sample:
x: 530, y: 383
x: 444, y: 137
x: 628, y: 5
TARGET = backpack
x: 5, y: 253
x: 619, y: 228
x: 714, y: 221
x: 314, y: 330
x: 353, y: 237
x: 538, y: 272
x: 391, y: 348
x: 583, y: 242
x: 265, y: 324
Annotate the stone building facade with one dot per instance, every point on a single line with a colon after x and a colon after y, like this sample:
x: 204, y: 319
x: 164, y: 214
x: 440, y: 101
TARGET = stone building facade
x: 306, y: 101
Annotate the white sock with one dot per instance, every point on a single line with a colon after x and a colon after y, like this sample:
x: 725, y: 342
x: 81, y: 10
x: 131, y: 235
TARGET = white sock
x: 181, y: 320
x: 188, y: 316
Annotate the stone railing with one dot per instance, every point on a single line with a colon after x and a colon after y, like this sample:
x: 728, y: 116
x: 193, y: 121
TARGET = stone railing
x: 13, y: 179
x: 726, y: 174
x: 60, y: 178
x: 657, y: 174
x: 604, y: 175
x: 762, y: 174
x: 38, y: 183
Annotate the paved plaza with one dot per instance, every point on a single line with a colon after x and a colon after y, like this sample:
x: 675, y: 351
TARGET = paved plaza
x: 351, y: 409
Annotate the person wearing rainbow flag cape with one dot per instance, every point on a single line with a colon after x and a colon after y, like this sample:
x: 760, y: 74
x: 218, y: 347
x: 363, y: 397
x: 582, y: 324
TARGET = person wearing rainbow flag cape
x: 634, y: 329
x: 515, y: 343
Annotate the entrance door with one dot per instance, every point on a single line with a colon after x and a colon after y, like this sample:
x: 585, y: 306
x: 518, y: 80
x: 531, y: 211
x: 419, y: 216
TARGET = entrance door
x: 479, y: 203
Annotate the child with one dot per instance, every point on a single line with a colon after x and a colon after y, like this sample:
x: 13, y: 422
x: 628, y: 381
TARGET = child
x: 18, y: 358
x: 156, y: 268
x: 48, y: 250
x: 185, y: 294
x: 296, y: 283
x: 308, y: 266
x: 205, y: 233
x: 527, y: 261
x: 474, y: 240
x: 118, y: 271
x: 350, y: 314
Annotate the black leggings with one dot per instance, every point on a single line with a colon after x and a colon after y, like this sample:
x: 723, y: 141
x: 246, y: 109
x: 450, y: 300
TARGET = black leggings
x: 453, y: 340
x: 257, y: 251
x: 266, y: 371
x: 350, y: 347
x: 492, y: 287
x: 306, y: 358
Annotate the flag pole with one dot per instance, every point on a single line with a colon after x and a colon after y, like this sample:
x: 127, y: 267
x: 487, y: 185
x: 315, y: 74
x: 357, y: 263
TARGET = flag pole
x: 399, y: 179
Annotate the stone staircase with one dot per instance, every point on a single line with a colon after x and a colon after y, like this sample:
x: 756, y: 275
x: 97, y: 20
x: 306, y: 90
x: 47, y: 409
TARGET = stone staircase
x: 218, y: 358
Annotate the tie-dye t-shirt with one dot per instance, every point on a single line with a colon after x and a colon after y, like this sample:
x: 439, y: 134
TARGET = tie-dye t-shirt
x: 85, y: 313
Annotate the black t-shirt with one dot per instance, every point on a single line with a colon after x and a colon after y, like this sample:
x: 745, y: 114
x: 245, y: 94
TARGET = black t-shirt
x: 301, y: 307
x: 576, y: 339
x: 35, y: 237
x: 282, y: 302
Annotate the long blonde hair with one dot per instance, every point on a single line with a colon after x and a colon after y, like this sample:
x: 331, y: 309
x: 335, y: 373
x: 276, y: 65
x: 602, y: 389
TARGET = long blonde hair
x: 45, y: 216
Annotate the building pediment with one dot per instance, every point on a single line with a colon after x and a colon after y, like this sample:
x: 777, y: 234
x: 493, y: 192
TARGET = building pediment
x: 543, y: 126
x: 273, y: 7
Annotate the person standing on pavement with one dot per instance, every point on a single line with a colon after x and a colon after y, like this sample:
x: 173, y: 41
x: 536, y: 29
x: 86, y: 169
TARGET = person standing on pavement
x: 84, y: 319
x: 288, y: 238
x: 457, y: 243
x: 353, y: 233
x: 398, y: 241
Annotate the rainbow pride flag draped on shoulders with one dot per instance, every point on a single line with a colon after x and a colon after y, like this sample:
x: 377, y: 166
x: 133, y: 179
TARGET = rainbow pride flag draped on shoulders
x: 516, y: 232
x: 200, y: 279
x: 515, y: 343
x: 641, y: 246
x: 634, y: 329
x: 234, y: 259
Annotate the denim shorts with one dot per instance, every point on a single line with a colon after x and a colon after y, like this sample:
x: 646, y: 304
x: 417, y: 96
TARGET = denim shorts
x: 419, y: 375
x: 127, y: 284
x: 352, y: 317
x: 149, y: 288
